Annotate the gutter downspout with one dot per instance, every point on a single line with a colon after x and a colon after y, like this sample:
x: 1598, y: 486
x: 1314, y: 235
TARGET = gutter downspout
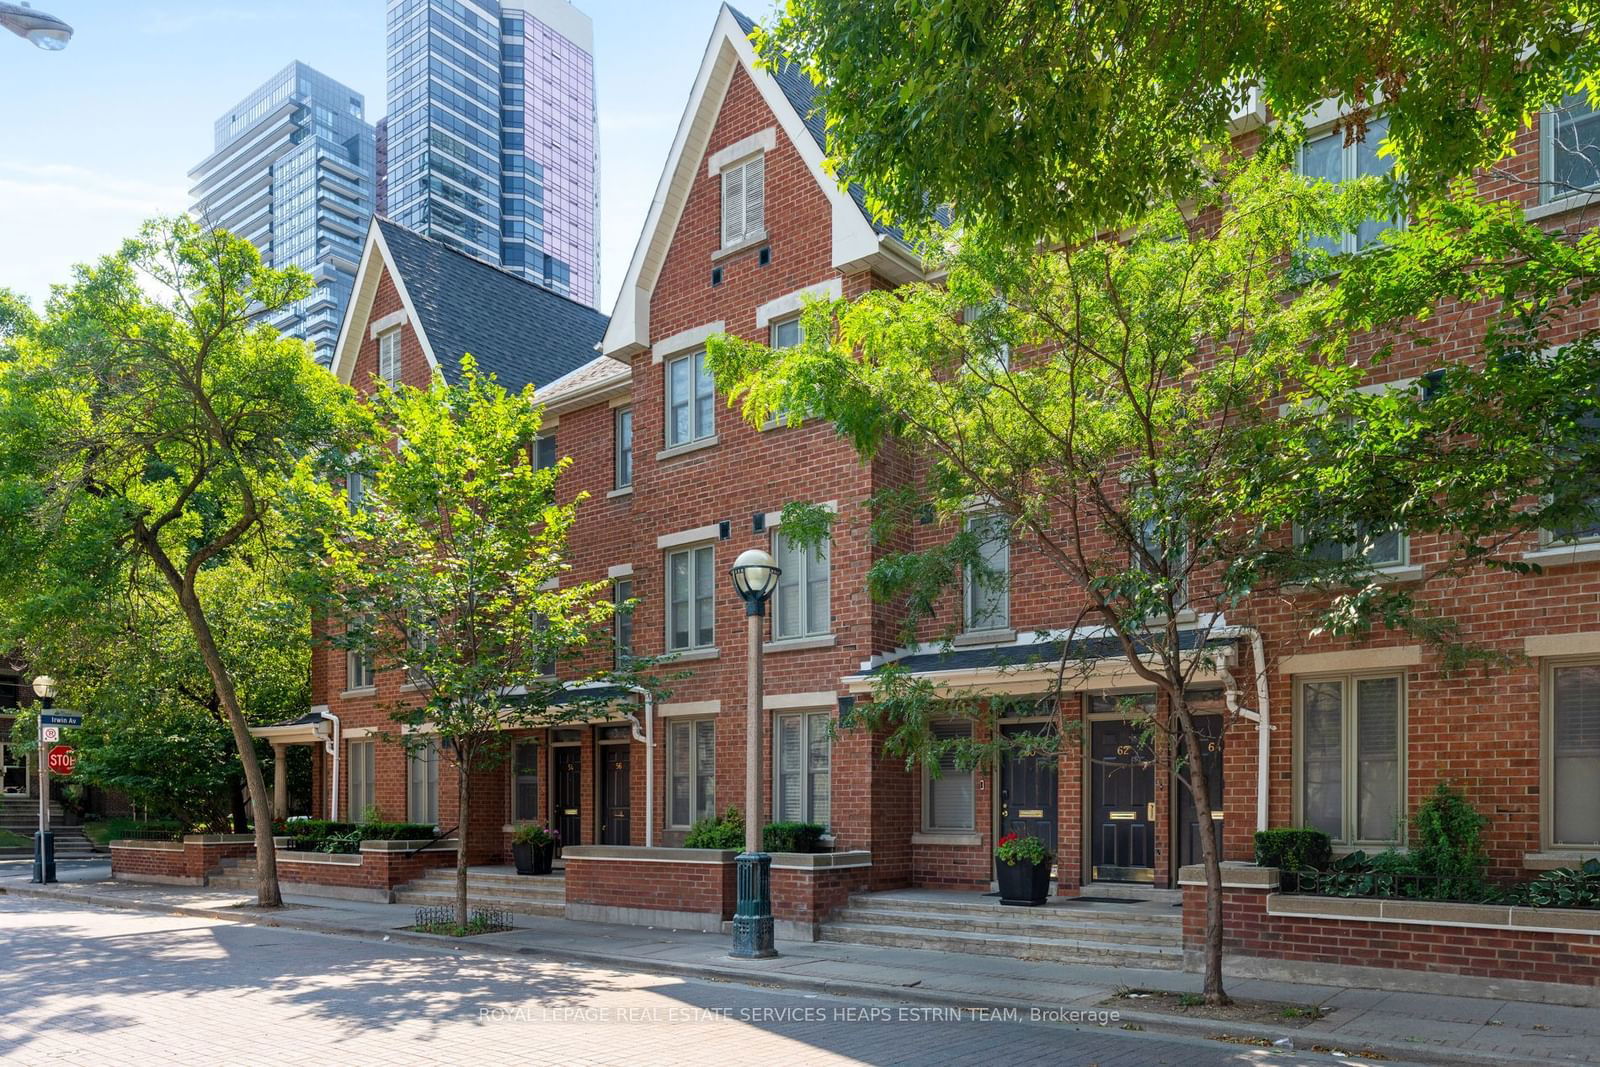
x: 1262, y: 716
x: 332, y: 746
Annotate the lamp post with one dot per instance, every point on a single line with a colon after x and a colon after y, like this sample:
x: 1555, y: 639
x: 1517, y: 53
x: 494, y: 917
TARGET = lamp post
x: 44, y: 842
x: 755, y: 575
x: 44, y: 30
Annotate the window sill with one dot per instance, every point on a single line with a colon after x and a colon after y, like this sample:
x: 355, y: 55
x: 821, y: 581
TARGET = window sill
x: 798, y: 644
x: 951, y: 838
x: 692, y: 655
x: 626, y: 490
x: 685, y: 449
x: 984, y: 637
x: 1571, y: 202
x: 754, y: 240
x: 1397, y: 573
x: 1556, y: 858
x: 364, y: 691
x: 1560, y: 555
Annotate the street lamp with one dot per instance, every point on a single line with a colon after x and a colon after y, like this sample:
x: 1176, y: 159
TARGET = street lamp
x: 44, y: 842
x: 46, y: 31
x: 755, y: 576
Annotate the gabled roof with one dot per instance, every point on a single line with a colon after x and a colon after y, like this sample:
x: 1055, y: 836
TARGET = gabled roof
x: 857, y: 242
x: 520, y: 332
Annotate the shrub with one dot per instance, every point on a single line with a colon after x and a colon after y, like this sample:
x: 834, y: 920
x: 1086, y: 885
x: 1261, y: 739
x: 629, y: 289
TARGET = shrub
x: 792, y: 837
x: 1449, y: 843
x: 1294, y: 849
x: 713, y: 832
x: 1013, y: 849
x: 323, y: 835
x: 534, y: 834
x: 1569, y: 887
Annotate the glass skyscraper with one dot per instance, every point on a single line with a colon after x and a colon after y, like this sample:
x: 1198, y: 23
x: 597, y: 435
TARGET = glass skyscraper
x: 491, y: 135
x: 294, y: 172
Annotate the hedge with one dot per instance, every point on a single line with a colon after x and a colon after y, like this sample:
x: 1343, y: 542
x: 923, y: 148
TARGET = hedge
x: 792, y: 837
x: 1294, y: 849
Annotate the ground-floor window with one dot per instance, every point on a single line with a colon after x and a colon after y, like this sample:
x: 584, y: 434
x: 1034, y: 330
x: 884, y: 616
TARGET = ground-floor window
x: 1574, y: 753
x: 525, y: 784
x: 802, y: 781
x: 422, y: 785
x: 692, y: 759
x: 947, y: 799
x: 363, y: 763
x: 1351, y: 735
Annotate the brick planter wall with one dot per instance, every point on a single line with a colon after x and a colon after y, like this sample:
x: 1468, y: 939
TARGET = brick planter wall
x: 186, y: 862
x: 1550, y: 955
x: 371, y: 874
x: 808, y: 889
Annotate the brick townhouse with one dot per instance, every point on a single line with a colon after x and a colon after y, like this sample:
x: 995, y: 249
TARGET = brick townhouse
x: 744, y: 226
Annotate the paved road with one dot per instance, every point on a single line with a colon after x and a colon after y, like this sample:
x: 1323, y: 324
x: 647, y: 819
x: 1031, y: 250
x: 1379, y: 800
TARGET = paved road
x: 80, y: 985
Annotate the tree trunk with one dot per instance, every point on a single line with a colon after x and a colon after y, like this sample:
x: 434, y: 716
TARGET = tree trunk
x: 1199, y: 787
x: 462, y: 789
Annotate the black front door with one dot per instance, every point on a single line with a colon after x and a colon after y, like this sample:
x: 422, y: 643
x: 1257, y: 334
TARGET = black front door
x: 566, y: 790
x: 616, y: 788
x: 1122, y: 828
x: 1209, y: 727
x: 1028, y: 790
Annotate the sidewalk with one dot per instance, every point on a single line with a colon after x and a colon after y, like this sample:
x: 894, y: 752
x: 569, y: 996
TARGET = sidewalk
x: 1411, y: 1026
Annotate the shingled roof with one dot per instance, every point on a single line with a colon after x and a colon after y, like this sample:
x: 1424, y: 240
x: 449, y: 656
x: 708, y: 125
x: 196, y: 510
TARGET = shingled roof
x: 520, y: 332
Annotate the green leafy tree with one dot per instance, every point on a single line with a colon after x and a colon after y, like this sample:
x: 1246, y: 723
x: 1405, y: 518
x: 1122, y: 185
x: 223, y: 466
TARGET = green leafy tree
x: 453, y: 567
x: 1057, y: 120
x: 147, y: 428
x: 1148, y: 418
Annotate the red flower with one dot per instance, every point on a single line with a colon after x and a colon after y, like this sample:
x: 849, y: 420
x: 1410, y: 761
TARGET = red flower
x: 1007, y: 839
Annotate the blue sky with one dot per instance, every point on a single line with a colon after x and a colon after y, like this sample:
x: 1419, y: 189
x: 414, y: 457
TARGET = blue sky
x: 95, y: 138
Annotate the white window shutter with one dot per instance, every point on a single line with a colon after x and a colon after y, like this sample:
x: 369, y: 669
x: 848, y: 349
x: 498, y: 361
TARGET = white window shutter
x: 732, y: 205
x: 755, y: 195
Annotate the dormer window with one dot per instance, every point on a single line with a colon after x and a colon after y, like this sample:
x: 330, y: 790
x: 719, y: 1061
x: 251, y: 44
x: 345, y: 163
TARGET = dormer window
x: 744, y: 193
x: 389, y: 357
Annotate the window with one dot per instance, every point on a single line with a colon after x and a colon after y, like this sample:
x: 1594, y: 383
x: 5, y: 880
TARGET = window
x: 1329, y: 158
x: 800, y: 605
x: 545, y: 654
x: 802, y: 774
x: 947, y: 797
x: 995, y: 352
x: 420, y: 640
x: 363, y: 761
x: 358, y: 672
x: 389, y: 357
x: 692, y: 757
x: 622, y: 621
x: 691, y: 415
x: 525, y: 782
x: 544, y: 452
x: 624, y: 447
x: 1570, y: 148
x: 986, y: 596
x: 744, y: 201
x: 786, y: 333
x: 355, y: 489
x: 691, y: 582
x: 1387, y: 549
x: 1573, y: 746
x: 422, y: 785
x: 1177, y: 556
x: 1352, y: 757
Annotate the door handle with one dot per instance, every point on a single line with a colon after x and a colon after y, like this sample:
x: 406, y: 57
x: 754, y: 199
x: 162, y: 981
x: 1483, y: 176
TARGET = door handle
x: 1150, y: 811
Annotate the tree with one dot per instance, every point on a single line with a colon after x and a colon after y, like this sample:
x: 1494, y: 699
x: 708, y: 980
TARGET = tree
x: 1057, y: 120
x: 153, y: 728
x: 1150, y: 416
x: 148, y: 428
x: 450, y: 568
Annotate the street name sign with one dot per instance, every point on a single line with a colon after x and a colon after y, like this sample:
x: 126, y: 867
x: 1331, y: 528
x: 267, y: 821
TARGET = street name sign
x: 59, y: 718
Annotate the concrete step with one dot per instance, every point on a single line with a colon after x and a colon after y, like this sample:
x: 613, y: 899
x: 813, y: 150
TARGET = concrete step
x: 1052, y: 949
x: 1034, y: 922
x: 554, y: 884
x: 548, y: 907
x: 981, y: 909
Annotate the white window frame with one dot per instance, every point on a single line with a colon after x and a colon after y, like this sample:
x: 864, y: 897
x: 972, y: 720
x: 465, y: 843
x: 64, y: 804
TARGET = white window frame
x: 622, y: 654
x: 355, y: 491
x: 970, y: 581
x: 622, y: 447
x: 806, y: 719
x: 389, y: 357
x: 1350, y: 155
x: 1348, y: 550
x: 360, y: 672
x: 1547, y: 766
x: 422, y: 769
x: 1548, y: 193
x: 695, y: 361
x: 803, y: 581
x: 693, y: 602
x: 1349, y: 783
x: 363, y: 759
x: 744, y: 217
x: 928, y: 826
x: 694, y: 727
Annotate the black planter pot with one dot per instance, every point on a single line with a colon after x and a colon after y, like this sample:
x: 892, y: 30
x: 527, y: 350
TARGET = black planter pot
x: 534, y: 859
x: 1025, y: 885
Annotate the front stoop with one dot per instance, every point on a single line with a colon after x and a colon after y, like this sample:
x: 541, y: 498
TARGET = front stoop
x: 537, y: 894
x: 1144, y: 934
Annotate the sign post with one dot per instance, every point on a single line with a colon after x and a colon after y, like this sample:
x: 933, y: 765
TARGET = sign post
x: 60, y: 759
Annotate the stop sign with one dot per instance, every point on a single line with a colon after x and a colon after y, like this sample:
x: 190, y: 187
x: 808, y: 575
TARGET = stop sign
x: 62, y: 759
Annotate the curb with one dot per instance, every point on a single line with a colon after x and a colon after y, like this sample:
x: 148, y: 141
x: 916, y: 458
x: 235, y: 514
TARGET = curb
x: 1149, y: 1022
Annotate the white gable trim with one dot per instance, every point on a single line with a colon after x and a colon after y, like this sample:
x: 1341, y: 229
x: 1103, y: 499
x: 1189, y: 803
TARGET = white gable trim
x: 375, y: 259
x: 728, y: 50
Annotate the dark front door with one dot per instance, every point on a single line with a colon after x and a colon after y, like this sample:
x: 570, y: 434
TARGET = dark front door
x: 1122, y: 830
x: 1028, y: 790
x: 566, y: 790
x: 616, y: 788
x: 1209, y: 727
